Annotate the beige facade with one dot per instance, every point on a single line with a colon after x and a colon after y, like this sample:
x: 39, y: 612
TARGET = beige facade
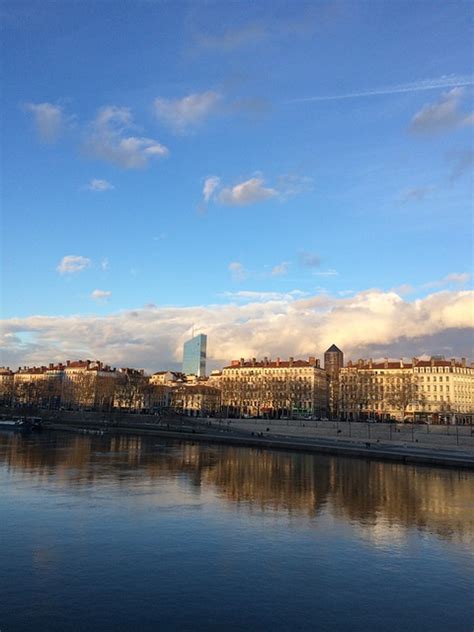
x: 167, y: 377
x: 273, y: 388
x: 435, y: 390
x: 196, y: 399
x: 29, y: 386
x: 88, y: 384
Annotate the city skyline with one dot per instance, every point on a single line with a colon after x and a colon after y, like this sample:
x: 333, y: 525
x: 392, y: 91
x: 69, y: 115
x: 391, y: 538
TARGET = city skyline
x: 322, y: 359
x: 233, y: 168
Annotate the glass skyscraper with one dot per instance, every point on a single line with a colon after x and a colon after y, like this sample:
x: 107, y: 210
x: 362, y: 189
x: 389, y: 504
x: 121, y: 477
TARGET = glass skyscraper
x: 194, y: 356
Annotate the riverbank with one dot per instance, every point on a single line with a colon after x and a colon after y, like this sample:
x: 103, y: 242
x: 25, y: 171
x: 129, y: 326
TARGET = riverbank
x: 219, y: 432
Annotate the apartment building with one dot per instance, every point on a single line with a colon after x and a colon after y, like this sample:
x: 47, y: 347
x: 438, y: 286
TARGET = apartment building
x: 435, y: 390
x: 279, y: 388
x: 196, y: 399
x: 88, y: 384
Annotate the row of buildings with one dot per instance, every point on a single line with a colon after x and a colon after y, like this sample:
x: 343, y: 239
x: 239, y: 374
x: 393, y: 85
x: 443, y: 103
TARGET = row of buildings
x: 433, y: 390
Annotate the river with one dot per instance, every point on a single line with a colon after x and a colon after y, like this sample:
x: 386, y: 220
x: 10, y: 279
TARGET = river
x: 123, y: 533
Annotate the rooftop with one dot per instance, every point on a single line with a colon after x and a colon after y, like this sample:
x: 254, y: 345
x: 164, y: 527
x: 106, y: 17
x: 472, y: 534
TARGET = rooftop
x: 276, y: 364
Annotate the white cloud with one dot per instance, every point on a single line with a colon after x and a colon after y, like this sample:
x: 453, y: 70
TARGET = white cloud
x: 442, y: 115
x: 107, y: 139
x: 100, y: 185
x: 366, y: 324
x: 458, y: 277
x: 281, y: 269
x: 210, y: 185
x: 104, y: 264
x: 402, y: 290
x: 49, y: 120
x: 188, y: 112
x: 454, y: 277
x: 101, y: 295
x: 254, y: 190
x: 237, y: 271
x: 73, y: 263
x: 248, y: 192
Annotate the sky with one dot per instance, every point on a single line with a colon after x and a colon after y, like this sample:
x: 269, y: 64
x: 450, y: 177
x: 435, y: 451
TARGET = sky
x: 280, y: 176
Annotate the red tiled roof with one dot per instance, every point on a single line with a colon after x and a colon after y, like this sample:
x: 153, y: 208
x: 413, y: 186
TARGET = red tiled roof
x: 270, y: 364
x: 403, y: 365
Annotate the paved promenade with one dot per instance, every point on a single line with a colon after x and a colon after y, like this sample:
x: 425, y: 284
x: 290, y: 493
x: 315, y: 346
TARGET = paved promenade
x: 432, y: 437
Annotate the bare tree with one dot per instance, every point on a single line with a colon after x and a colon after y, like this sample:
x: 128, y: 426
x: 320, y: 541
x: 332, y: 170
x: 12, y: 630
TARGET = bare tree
x: 402, y: 391
x: 129, y: 392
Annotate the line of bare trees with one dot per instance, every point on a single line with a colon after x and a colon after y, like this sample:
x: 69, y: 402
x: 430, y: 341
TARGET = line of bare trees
x: 271, y: 396
x: 364, y: 395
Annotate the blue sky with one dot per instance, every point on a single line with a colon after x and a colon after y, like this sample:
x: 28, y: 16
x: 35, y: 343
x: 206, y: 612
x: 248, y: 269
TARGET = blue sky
x: 191, y: 155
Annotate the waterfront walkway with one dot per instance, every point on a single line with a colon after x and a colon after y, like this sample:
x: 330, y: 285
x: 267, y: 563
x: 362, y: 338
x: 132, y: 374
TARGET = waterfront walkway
x: 432, y: 437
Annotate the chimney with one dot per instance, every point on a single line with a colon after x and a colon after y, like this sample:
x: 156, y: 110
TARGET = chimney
x: 68, y: 362
x: 453, y: 361
x: 278, y: 361
x: 312, y: 361
x: 432, y: 361
x: 385, y: 363
x: 254, y: 361
x: 242, y: 362
x: 370, y: 363
x: 414, y: 361
x: 318, y: 364
x: 463, y: 362
x: 401, y: 363
x: 290, y: 361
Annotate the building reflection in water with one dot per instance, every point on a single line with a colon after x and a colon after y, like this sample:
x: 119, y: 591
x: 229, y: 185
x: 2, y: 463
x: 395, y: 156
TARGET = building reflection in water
x: 383, y: 499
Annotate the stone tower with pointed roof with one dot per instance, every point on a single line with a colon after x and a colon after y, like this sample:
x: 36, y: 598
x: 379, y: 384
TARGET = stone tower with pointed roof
x: 333, y: 360
x: 333, y: 363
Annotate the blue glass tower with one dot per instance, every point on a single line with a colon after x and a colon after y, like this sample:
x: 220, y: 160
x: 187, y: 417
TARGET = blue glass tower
x: 194, y: 356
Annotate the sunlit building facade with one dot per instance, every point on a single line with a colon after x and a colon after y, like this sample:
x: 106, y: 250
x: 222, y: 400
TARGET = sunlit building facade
x: 435, y: 390
x: 279, y: 388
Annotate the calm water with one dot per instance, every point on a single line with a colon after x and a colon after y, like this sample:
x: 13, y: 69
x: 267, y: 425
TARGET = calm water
x: 133, y: 533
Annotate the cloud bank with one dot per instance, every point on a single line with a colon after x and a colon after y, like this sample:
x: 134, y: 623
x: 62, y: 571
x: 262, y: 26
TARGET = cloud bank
x: 371, y: 323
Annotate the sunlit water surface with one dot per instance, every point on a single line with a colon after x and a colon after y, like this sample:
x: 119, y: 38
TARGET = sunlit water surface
x: 131, y: 533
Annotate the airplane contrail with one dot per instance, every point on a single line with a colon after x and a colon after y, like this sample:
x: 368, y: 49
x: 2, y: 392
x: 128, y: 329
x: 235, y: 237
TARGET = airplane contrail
x: 446, y: 81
